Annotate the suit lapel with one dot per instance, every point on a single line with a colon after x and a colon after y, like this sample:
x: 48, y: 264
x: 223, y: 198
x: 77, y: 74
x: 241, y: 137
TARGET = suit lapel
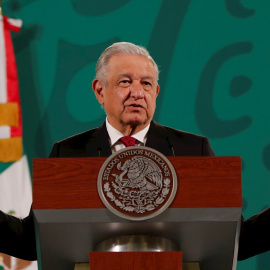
x: 157, y: 138
x: 99, y: 145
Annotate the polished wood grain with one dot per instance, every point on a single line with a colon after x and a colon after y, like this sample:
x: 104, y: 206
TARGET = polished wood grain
x: 136, y: 260
x: 68, y: 183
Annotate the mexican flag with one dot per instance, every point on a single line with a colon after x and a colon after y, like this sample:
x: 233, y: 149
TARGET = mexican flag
x: 15, y: 181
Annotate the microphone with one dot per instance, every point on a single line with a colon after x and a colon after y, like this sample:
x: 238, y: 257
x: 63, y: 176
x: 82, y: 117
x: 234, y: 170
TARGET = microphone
x: 99, y: 151
x: 170, y: 145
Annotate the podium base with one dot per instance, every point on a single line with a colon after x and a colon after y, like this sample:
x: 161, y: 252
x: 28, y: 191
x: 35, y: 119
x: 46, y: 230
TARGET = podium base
x: 140, y: 260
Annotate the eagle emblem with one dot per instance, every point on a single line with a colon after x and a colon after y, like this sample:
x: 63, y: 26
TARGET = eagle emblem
x: 141, y: 172
x: 137, y: 182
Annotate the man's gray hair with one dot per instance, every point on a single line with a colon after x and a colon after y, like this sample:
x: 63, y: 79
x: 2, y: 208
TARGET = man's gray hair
x: 120, y: 48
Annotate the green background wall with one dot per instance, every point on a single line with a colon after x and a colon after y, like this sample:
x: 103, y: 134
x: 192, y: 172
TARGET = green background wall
x: 214, y: 58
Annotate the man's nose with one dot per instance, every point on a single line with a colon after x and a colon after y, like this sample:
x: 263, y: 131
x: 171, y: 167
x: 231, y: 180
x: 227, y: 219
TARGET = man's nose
x: 136, y: 91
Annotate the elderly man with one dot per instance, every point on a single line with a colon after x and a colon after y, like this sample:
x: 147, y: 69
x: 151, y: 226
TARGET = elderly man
x: 126, y: 86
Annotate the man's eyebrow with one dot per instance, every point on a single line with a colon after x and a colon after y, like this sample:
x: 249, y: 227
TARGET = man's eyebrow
x: 124, y: 75
x: 128, y: 75
x: 148, y: 77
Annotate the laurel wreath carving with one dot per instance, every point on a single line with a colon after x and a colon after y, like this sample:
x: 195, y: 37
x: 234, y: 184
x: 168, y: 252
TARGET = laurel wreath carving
x: 137, y: 201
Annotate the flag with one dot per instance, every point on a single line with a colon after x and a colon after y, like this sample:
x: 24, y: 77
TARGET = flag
x: 15, y: 181
x: 10, y: 111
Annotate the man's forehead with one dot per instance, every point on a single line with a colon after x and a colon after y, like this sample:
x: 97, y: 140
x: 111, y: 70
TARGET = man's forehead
x: 122, y: 58
x: 127, y: 64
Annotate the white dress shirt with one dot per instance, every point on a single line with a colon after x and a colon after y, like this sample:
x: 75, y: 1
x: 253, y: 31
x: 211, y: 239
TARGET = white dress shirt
x: 115, y: 135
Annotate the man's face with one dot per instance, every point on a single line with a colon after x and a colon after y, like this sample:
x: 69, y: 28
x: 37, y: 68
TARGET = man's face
x: 129, y: 98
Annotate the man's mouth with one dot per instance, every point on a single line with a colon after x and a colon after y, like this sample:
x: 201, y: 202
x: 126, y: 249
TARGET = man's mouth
x: 133, y: 105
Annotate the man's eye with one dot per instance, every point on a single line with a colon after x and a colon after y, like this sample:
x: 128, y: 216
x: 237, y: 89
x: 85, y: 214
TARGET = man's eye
x: 124, y: 82
x: 148, y: 84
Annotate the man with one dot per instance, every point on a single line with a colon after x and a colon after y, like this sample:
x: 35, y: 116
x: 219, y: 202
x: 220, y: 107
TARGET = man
x: 126, y: 86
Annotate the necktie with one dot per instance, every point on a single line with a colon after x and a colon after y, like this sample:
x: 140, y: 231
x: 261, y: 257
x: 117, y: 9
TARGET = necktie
x: 128, y: 141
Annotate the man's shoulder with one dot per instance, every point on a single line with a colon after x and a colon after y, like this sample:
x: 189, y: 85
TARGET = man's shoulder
x: 174, y: 133
x: 80, y: 137
x: 183, y: 143
x: 87, y: 143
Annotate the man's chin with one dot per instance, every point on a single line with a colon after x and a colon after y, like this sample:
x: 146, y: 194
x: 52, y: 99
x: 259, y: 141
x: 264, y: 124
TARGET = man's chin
x: 136, y: 122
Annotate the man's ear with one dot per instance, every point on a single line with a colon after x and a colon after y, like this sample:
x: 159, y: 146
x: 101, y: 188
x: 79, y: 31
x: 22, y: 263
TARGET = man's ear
x: 98, y: 90
x: 157, y: 90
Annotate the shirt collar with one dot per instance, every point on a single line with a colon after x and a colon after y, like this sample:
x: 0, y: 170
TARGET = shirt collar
x: 115, y: 135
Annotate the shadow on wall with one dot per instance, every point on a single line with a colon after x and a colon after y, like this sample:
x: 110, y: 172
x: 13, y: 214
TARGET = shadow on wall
x: 27, y: 60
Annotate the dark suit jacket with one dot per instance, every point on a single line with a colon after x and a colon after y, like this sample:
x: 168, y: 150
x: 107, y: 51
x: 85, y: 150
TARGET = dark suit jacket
x: 95, y: 143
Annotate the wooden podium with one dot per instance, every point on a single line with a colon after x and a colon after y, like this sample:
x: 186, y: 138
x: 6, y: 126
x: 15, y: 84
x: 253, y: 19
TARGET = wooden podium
x: 203, y: 220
